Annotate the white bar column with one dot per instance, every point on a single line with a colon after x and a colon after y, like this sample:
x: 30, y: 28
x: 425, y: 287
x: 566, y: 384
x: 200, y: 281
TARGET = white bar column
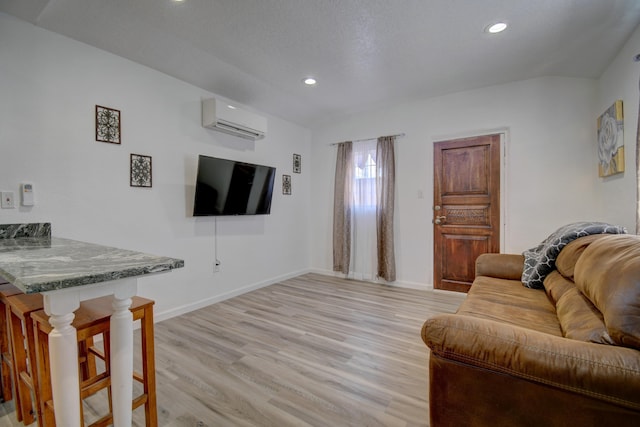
x: 122, y: 353
x: 63, y: 355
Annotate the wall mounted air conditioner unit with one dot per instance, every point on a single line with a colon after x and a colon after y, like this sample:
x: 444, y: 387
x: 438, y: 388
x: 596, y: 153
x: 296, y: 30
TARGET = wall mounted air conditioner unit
x: 224, y: 117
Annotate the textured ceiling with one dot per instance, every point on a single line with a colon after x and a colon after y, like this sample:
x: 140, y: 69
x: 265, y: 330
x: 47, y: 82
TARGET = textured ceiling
x: 364, y: 53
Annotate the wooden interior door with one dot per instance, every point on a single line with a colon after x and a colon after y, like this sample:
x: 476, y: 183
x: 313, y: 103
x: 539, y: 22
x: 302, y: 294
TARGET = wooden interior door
x: 466, y: 208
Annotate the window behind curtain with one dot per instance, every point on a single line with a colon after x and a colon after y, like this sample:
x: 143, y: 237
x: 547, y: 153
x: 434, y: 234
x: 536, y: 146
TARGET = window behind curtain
x: 364, y: 248
x: 364, y: 175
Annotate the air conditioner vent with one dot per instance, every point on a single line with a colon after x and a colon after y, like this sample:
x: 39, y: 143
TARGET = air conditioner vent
x: 219, y: 115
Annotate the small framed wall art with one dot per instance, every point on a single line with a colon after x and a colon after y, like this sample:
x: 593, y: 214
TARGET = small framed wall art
x: 611, y: 141
x: 297, y: 163
x: 107, y: 125
x: 140, y: 171
x: 286, y: 185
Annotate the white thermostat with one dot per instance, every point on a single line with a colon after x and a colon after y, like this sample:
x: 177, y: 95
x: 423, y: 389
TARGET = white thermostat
x: 27, y: 195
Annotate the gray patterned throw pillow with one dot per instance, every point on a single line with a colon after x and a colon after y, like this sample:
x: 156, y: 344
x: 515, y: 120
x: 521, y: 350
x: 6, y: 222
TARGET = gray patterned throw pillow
x: 541, y: 260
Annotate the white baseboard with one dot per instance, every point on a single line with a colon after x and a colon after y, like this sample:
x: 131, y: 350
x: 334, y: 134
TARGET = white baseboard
x: 398, y: 283
x: 177, y: 311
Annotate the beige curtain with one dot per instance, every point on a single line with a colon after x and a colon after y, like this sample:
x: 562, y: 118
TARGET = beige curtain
x: 385, y: 194
x: 637, y: 58
x: 638, y: 170
x: 342, y: 208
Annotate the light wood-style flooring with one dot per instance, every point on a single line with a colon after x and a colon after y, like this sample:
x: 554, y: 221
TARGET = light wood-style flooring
x: 309, y: 351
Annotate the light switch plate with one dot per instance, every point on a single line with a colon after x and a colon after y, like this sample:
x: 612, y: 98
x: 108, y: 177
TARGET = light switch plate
x: 8, y: 200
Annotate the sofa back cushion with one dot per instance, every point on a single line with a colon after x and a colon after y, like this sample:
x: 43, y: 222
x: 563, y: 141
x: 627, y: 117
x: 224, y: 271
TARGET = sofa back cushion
x: 608, y: 274
x: 566, y: 261
x: 555, y: 285
x: 579, y: 319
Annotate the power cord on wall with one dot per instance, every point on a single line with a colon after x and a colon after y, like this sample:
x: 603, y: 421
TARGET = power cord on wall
x: 216, y: 265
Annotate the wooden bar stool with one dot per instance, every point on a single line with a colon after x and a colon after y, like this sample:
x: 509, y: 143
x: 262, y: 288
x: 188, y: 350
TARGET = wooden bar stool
x: 91, y: 319
x: 6, y: 360
x: 18, y: 307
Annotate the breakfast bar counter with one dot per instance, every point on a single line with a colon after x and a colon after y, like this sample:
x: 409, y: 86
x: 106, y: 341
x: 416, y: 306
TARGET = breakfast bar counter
x: 66, y: 272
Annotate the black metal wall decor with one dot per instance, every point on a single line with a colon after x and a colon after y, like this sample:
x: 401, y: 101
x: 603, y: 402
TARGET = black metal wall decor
x: 297, y: 163
x: 140, y: 170
x: 286, y: 185
x: 107, y: 125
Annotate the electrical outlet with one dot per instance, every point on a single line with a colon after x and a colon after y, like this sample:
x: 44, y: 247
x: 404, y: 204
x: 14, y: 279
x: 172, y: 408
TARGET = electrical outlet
x: 216, y: 267
x: 8, y: 200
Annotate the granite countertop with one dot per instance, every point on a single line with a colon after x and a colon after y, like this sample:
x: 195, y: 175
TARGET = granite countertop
x: 44, y: 263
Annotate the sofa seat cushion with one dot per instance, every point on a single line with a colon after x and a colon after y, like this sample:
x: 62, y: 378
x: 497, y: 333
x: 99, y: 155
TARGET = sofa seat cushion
x: 507, y: 301
x: 605, y: 372
x: 608, y: 273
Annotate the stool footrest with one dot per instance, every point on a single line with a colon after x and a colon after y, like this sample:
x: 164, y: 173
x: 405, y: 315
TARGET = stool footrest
x: 139, y: 401
x: 26, y: 378
x: 105, y: 421
x: 108, y: 419
x: 95, y: 384
x: 7, y: 357
x: 98, y: 353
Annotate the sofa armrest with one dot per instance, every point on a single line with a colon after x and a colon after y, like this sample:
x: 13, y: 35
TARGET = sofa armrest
x: 604, y: 372
x: 502, y: 266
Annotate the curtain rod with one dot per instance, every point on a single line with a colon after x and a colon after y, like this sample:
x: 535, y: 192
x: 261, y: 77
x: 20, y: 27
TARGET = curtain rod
x: 398, y: 135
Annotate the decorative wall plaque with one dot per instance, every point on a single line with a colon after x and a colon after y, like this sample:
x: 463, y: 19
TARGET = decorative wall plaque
x: 286, y: 184
x: 611, y: 141
x: 107, y: 125
x: 297, y: 163
x: 140, y: 170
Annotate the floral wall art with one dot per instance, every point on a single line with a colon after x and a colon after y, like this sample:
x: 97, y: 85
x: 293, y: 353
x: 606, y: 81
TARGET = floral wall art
x: 140, y: 171
x: 107, y: 125
x: 611, y: 141
x: 286, y: 185
x: 297, y: 163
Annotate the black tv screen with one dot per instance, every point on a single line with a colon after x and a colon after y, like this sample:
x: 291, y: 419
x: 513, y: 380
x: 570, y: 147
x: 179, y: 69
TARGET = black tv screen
x: 227, y: 187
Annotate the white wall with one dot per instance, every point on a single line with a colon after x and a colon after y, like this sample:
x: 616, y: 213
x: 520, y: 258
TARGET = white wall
x: 551, y: 168
x: 620, y: 81
x: 49, y: 86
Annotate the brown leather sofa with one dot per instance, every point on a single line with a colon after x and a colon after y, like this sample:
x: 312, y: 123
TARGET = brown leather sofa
x: 568, y: 355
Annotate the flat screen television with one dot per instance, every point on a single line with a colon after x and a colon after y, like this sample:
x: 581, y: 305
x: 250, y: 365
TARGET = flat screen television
x: 226, y: 187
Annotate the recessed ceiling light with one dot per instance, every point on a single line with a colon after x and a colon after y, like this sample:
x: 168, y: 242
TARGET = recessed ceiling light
x: 498, y: 27
x: 309, y: 81
x: 231, y: 107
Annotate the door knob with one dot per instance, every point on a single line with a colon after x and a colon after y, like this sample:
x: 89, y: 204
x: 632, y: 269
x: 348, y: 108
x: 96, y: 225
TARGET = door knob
x: 439, y: 219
